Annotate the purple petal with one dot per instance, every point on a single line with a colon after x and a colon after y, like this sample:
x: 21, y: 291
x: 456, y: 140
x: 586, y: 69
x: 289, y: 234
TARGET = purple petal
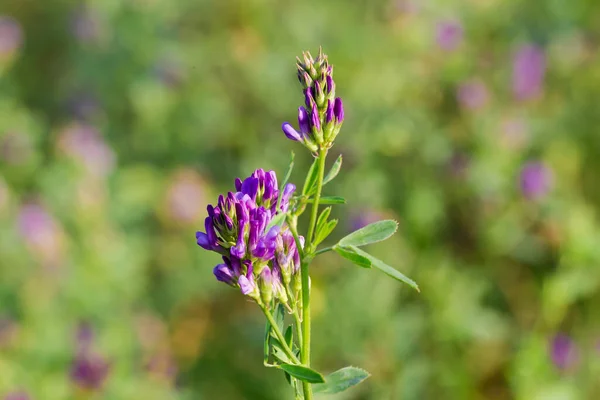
x: 223, y: 274
x: 338, y: 110
x: 303, y: 121
x: 246, y: 285
x: 329, y: 112
x: 290, y: 132
x: 202, y: 240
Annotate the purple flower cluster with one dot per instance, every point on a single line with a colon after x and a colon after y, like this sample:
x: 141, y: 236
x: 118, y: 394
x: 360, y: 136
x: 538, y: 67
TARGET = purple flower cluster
x: 529, y: 67
x: 320, y: 121
x: 449, y: 35
x: 535, y: 180
x: 257, y: 258
x: 89, y: 370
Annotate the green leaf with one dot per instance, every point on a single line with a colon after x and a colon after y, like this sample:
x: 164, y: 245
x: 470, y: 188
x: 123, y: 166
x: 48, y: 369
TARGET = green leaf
x: 322, y: 220
x: 341, y: 380
x: 303, y: 373
x: 267, y: 344
x: 351, y: 255
x: 286, y: 178
x: 279, y: 316
x: 329, y: 200
x: 288, y: 173
x: 372, y: 233
x: 335, y: 169
x: 277, y: 220
x: 377, y: 263
x: 325, y: 231
x: 279, y: 353
x: 289, y: 337
x: 311, y: 178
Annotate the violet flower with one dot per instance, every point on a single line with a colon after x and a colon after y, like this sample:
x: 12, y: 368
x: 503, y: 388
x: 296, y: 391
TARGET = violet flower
x: 449, y: 34
x: 89, y: 371
x: 321, y: 120
x: 535, y: 180
x: 238, y: 229
x: 563, y: 352
x: 11, y: 36
x: 529, y: 66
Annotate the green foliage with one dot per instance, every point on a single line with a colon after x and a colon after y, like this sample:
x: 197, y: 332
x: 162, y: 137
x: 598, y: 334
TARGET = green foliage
x: 372, y: 233
x: 303, y: 373
x: 341, y: 380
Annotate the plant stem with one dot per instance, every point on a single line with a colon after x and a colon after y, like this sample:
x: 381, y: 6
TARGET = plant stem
x: 323, y: 250
x: 305, y: 354
x: 280, y: 336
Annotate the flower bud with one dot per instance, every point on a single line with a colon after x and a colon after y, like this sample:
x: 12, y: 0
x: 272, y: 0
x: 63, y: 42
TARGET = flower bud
x: 224, y: 274
x: 319, y: 94
x: 266, y: 286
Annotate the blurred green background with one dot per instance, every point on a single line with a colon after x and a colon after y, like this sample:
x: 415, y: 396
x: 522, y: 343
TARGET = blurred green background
x: 474, y: 123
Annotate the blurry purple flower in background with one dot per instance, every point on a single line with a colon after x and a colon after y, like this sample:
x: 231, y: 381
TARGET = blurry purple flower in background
x: 88, y: 370
x: 86, y: 25
x: 41, y: 232
x: 536, y: 180
x: 563, y: 351
x: 11, y: 36
x: 20, y: 395
x: 361, y: 218
x: 449, y: 34
x: 84, y: 143
x: 472, y: 94
x: 529, y: 66
x: 186, y: 196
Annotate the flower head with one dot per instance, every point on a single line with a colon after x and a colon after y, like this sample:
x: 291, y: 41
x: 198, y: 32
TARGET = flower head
x: 317, y: 125
x: 535, y: 180
x: 563, y: 351
x: 529, y: 66
x: 449, y: 35
x: 238, y: 228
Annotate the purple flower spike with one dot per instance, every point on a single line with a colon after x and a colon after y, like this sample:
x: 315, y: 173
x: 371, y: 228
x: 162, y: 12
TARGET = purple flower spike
x: 535, y: 180
x: 338, y: 110
x: 89, y: 371
x: 529, y: 66
x: 290, y: 132
x: 224, y: 274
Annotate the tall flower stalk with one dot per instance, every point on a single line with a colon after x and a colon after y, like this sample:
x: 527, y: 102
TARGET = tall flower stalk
x: 255, y: 230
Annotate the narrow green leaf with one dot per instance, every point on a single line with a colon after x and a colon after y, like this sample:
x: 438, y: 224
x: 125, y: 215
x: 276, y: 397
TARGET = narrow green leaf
x: 277, y: 220
x: 289, y: 337
x: 351, y: 255
x: 288, y: 173
x: 325, y: 200
x: 322, y: 220
x: 279, y: 353
x: 303, y: 373
x: 325, y: 231
x: 311, y: 178
x: 372, y: 233
x: 267, y: 345
x: 341, y: 380
x: 279, y: 316
x: 286, y: 177
x: 334, y: 171
x: 377, y: 263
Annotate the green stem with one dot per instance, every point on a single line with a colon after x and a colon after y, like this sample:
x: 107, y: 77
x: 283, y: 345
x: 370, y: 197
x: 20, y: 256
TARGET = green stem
x: 293, y: 229
x: 305, y: 355
x: 323, y: 250
x: 280, y: 336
